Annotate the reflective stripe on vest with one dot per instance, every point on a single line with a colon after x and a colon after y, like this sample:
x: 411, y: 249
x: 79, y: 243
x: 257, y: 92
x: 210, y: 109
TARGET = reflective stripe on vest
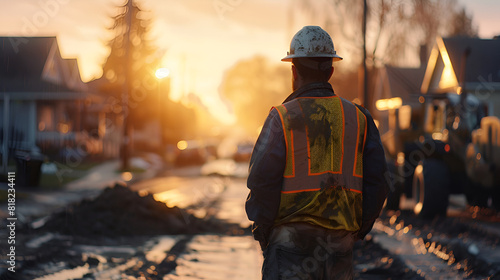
x: 323, y: 177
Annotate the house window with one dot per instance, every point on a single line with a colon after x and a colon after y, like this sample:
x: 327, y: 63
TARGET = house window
x: 63, y: 128
x: 45, y: 118
x: 41, y: 126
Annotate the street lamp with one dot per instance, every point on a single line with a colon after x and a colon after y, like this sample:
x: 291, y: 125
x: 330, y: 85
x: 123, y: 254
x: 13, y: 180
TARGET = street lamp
x: 162, y: 73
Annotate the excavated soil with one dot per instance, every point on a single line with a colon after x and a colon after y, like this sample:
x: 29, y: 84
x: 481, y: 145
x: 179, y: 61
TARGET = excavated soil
x: 118, y: 211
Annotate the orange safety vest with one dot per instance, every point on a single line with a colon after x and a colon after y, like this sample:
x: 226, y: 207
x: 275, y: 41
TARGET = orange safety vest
x: 323, y: 178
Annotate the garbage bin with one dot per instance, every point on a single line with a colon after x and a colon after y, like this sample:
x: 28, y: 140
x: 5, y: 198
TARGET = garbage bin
x: 28, y: 169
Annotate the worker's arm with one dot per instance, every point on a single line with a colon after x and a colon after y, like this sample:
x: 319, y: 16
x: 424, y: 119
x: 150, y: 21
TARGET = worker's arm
x: 266, y: 178
x: 376, y: 177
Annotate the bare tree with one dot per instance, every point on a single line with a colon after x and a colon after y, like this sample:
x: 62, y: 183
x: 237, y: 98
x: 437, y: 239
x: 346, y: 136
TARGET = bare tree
x: 395, y: 29
x: 462, y: 25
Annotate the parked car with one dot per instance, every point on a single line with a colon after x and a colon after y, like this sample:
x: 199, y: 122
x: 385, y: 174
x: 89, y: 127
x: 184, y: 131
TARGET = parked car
x: 190, y: 152
x: 243, y: 152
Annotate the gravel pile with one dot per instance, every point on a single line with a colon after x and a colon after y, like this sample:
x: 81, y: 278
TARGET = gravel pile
x: 118, y: 211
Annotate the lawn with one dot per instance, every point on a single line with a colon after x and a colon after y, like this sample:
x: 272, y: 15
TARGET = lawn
x: 65, y: 174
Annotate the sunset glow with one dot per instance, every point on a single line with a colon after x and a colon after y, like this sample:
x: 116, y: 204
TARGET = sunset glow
x: 198, y: 40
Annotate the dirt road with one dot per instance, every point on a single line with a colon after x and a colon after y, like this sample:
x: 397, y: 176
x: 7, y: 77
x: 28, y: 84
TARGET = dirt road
x: 400, y: 246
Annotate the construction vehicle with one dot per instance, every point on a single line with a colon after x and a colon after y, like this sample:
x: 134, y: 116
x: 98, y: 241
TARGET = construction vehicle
x: 445, y: 139
x: 447, y: 146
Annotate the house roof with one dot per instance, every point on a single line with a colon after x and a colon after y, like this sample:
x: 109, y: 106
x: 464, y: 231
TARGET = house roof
x: 483, y: 59
x: 34, y: 64
x: 404, y: 82
x: 445, y: 66
x: 399, y: 82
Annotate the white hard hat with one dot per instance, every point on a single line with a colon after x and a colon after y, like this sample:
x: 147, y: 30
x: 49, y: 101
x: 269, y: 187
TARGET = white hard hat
x: 311, y: 41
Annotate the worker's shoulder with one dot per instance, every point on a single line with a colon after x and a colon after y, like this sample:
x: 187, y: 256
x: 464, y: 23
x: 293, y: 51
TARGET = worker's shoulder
x: 360, y: 107
x: 286, y: 106
x: 363, y: 110
x: 274, y: 113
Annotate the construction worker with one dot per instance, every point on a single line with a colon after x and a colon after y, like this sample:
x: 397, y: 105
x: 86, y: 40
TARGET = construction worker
x: 317, y: 173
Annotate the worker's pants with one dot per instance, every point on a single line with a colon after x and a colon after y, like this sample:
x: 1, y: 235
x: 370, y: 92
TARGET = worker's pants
x: 302, y: 251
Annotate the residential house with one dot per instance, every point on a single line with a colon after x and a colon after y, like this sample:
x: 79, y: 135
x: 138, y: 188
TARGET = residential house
x: 399, y: 85
x: 465, y: 65
x: 43, y: 102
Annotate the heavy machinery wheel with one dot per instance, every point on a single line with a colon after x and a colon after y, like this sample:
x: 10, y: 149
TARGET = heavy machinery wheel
x: 431, y: 188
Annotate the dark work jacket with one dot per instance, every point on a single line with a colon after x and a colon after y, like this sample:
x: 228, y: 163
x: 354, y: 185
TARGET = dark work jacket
x: 268, y: 162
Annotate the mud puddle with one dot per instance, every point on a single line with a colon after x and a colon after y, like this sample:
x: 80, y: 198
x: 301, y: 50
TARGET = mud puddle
x: 444, y: 247
x: 123, y: 235
x: 117, y: 234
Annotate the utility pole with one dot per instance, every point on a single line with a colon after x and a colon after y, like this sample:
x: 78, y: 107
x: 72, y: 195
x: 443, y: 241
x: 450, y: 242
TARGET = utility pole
x: 126, y: 90
x: 463, y: 77
x: 365, y: 70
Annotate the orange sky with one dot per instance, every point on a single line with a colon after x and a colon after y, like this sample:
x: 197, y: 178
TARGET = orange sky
x: 201, y: 38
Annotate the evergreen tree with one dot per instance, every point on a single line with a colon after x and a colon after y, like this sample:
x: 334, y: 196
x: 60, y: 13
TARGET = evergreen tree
x: 143, y: 58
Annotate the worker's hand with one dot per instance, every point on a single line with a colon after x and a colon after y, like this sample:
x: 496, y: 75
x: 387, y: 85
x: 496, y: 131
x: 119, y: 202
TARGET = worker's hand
x: 358, y: 236
x: 261, y: 234
x: 263, y: 244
